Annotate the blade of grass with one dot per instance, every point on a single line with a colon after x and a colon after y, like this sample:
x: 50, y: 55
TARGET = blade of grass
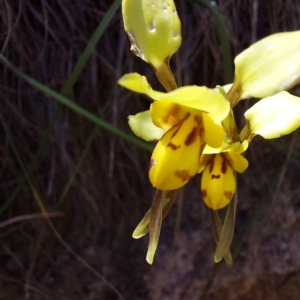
x: 46, y: 215
x: 90, y: 46
x: 221, y: 29
x: 66, y: 91
x: 77, y: 108
x: 78, y: 165
x: 35, y: 160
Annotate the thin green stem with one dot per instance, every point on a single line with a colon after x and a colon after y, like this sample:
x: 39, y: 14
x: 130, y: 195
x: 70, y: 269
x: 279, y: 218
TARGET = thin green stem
x: 222, y: 32
x: 91, y: 46
x: 78, y: 165
x: 77, y: 108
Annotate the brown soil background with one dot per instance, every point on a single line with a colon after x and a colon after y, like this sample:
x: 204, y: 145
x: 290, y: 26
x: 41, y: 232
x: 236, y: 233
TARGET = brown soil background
x: 111, y: 192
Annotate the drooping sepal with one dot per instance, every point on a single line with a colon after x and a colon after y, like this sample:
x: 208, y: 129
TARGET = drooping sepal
x: 151, y: 222
x: 167, y: 202
x: 216, y: 230
x: 142, y: 126
x: 274, y: 116
x: 226, y: 234
x: 267, y: 67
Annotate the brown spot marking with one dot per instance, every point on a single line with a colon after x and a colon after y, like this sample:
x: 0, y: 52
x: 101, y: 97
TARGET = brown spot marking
x: 199, y: 122
x: 186, y: 116
x: 203, y: 193
x: 224, y: 165
x: 175, y: 110
x: 212, y: 163
x: 228, y: 194
x: 183, y: 175
x: 175, y: 132
x: 201, y: 131
x: 171, y: 118
x: 173, y: 146
x: 215, y: 176
x: 191, y: 137
x: 152, y: 164
x: 180, y: 123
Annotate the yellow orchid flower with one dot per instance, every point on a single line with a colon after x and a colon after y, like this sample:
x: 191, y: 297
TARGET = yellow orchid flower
x: 183, y: 120
x: 195, y: 126
x: 192, y: 117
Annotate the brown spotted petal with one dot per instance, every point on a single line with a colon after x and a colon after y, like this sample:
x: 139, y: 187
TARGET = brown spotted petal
x: 218, y: 181
x: 175, y: 158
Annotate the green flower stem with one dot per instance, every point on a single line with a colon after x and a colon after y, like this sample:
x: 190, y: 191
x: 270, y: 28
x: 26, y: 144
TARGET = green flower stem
x: 165, y: 76
x: 221, y: 28
x: 77, y: 108
x: 15, y: 151
x: 246, y: 133
x: 229, y: 125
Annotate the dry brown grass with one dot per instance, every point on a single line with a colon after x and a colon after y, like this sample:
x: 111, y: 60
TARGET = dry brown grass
x: 111, y: 191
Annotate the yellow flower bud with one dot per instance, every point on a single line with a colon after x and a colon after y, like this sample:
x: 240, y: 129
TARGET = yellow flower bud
x: 154, y: 29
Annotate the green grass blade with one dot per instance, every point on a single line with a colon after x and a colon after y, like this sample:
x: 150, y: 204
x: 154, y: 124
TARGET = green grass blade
x: 76, y: 108
x: 78, y: 165
x: 35, y: 160
x: 15, y: 151
x: 66, y: 91
x: 90, y: 47
x: 221, y: 28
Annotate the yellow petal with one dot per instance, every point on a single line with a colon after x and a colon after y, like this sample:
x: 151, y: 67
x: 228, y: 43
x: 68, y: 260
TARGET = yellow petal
x: 153, y: 28
x: 200, y: 98
x: 166, y: 114
x: 268, y: 66
x: 274, y: 116
x: 136, y: 83
x: 142, y: 126
x: 214, y: 134
x: 238, y: 162
x: 194, y: 97
x: 176, y: 156
x: 218, y: 183
x: 236, y: 147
